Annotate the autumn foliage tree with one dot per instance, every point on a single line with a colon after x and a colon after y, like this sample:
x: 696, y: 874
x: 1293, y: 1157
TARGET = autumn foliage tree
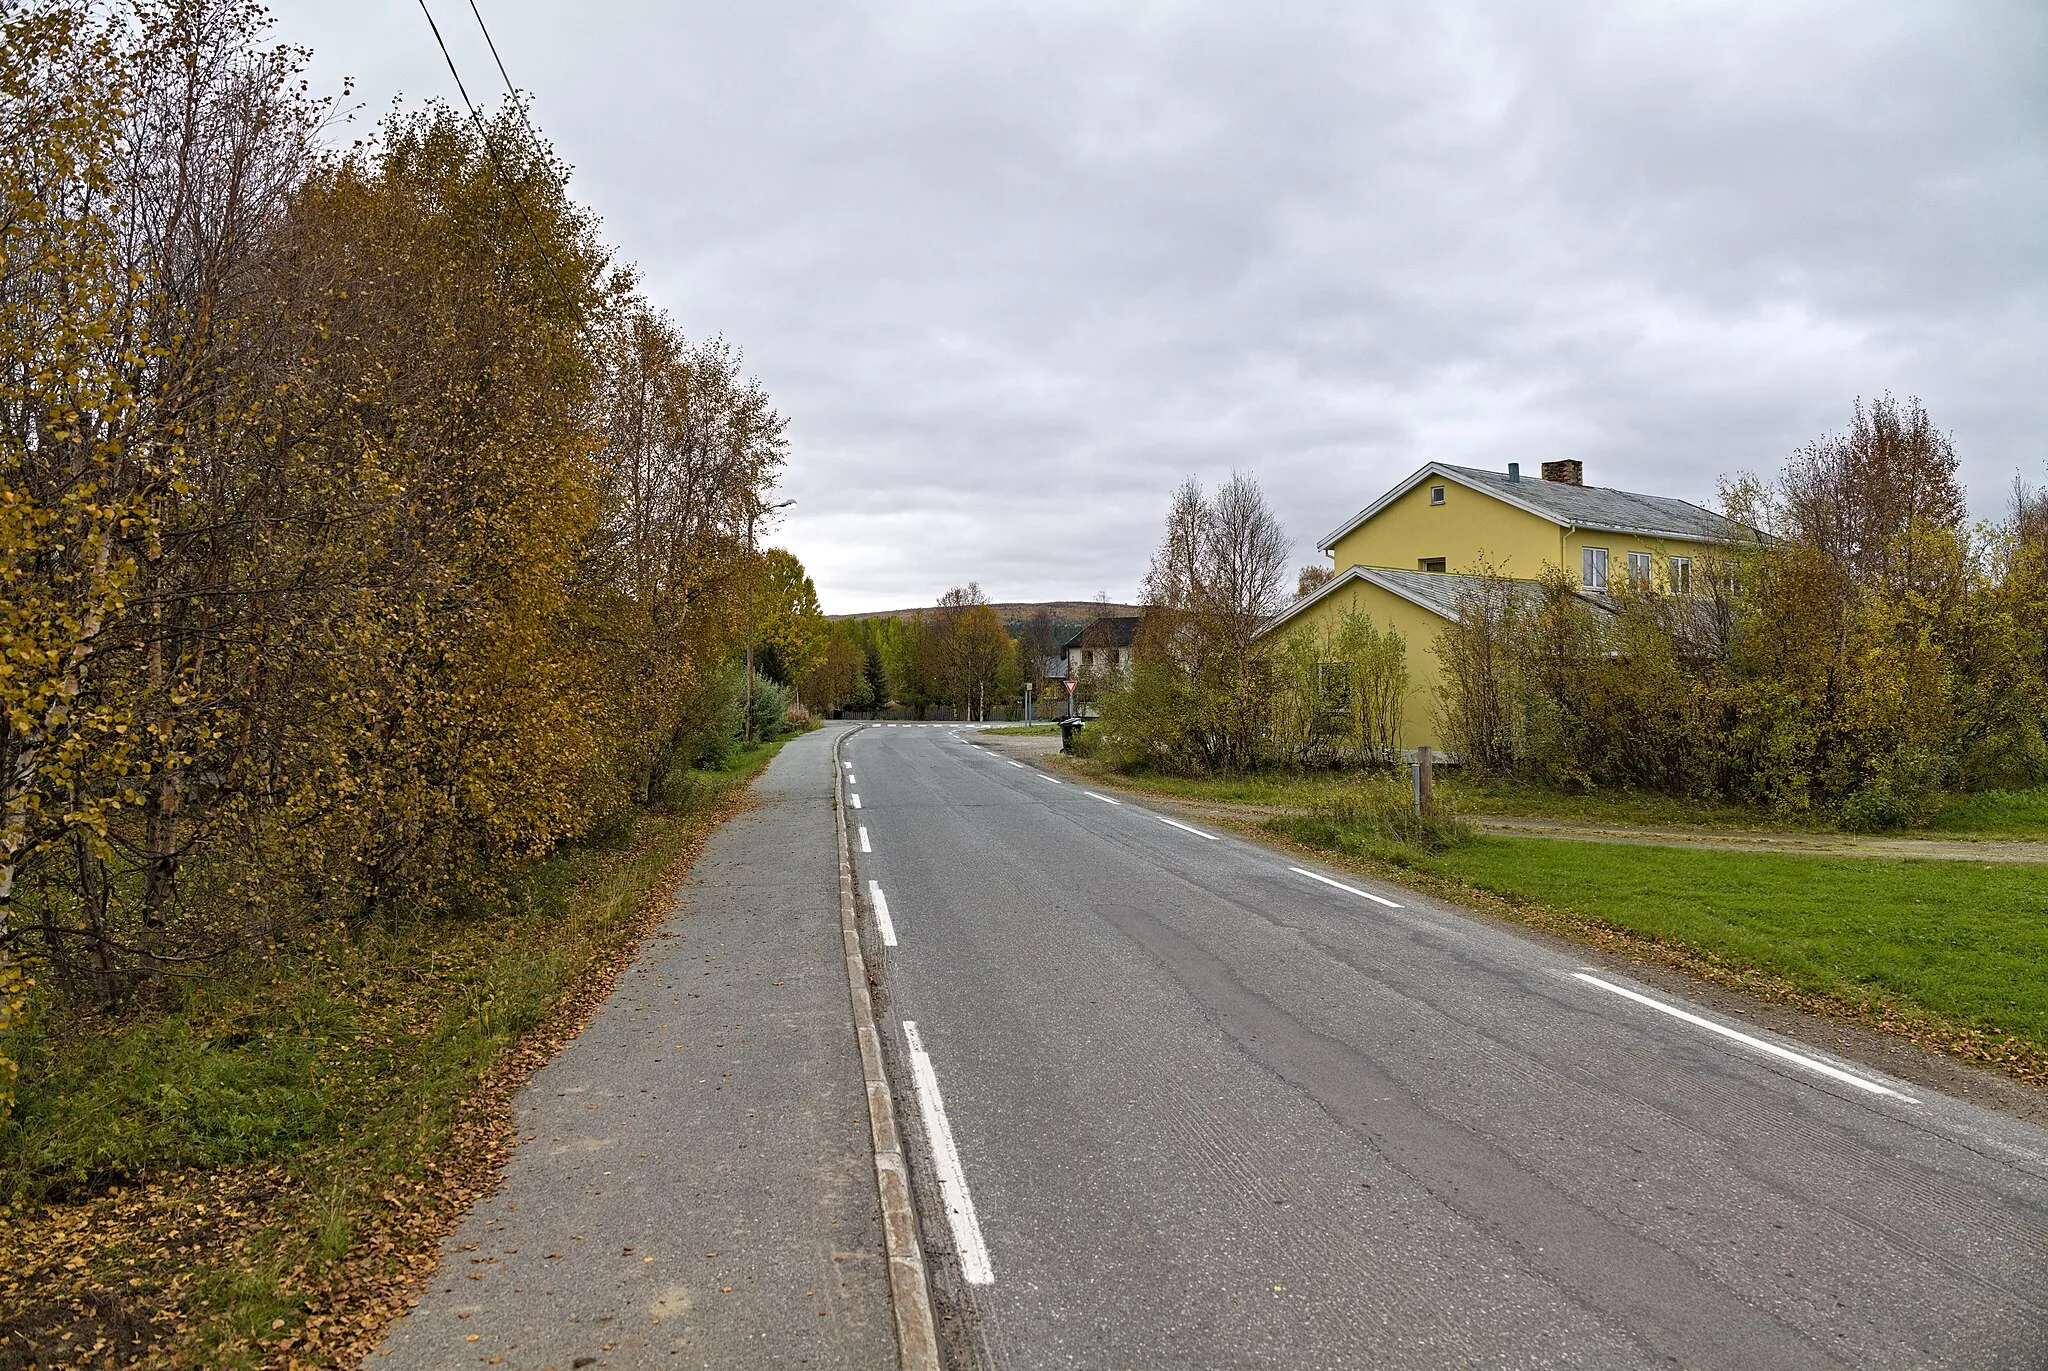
x: 363, y: 531
x: 1199, y: 697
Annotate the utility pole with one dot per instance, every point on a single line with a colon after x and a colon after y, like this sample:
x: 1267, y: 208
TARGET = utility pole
x: 750, y: 610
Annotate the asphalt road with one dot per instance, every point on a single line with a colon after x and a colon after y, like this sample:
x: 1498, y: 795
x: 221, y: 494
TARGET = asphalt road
x: 1207, y: 1111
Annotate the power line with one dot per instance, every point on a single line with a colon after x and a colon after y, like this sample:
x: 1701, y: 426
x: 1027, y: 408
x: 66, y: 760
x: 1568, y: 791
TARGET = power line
x: 497, y: 163
x: 509, y: 90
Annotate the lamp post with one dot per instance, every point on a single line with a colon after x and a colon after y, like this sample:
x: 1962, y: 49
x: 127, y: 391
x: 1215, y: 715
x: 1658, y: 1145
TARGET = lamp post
x: 768, y: 509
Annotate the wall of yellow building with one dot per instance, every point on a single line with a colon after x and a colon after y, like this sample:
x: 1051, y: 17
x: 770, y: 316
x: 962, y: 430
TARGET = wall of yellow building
x: 1418, y: 628
x: 1467, y: 530
x: 1618, y: 547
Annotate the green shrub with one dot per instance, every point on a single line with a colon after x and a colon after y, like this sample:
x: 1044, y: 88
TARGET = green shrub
x: 1903, y: 794
x: 771, y: 709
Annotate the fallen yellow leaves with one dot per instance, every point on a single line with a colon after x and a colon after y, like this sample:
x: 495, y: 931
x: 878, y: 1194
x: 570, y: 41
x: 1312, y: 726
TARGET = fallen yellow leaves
x: 109, y: 1281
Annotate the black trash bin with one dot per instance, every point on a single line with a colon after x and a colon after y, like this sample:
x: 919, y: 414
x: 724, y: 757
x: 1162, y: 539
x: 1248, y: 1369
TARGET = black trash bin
x: 1069, y: 728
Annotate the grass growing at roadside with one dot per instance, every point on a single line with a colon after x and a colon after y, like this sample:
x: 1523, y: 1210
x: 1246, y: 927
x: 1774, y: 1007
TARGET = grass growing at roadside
x: 1025, y: 730
x: 1996, y: 813
x: 1516, y: 800
x: 1991, y: 814
x: 1291, y: 790
x: 1307, y: 790
x: 1965, y: 942
x: 224, y: 1162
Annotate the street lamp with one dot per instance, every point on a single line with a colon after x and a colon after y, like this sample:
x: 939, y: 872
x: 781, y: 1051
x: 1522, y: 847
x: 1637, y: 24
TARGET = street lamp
x: 766, y: 509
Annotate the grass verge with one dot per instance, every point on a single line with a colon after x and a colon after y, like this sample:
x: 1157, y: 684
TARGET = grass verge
x: 2010, y: 814
x: 1951, y: 954
x: 1995, y: 814
x: 261, y: 1175
x: 1025, y: 730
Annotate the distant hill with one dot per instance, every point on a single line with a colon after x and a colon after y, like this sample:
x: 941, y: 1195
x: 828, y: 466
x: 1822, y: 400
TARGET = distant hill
x: 1015, y: 612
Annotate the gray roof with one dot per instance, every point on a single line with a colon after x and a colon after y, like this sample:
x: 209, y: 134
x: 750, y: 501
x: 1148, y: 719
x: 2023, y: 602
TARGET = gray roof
x: 1436, y: 591
x: 1110, y: 630
x: 1439, y: 592
x: 1596, y: 508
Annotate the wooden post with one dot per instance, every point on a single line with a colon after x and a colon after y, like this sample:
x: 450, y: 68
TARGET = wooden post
x: 1425, y: 778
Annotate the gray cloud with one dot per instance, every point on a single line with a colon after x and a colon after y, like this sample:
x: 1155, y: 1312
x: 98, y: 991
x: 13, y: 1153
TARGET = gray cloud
x: 1014, y: 271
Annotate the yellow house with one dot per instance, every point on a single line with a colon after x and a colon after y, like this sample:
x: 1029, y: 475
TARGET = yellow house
x: 1406, y: 559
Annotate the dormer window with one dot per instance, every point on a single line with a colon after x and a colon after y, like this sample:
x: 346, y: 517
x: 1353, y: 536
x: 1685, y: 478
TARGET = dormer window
x: 1436, y: 495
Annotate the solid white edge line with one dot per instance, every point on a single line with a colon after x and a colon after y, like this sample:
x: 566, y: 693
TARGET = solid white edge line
x: 1104, y: 798
x: 1348, y: 889
x: 864, y: 839
x: 1796, y: 1058
x: 855, y: 800
x: 953, y: 1193
x: 1184, y: 828
x: 882, y: 919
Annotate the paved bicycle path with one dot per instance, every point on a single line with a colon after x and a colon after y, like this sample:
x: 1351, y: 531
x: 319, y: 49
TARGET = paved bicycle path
x: 694, y: 1184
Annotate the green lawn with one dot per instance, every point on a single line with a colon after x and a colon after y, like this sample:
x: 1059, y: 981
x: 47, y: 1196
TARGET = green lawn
x: 1966, y: 941
x: 1022, y: 730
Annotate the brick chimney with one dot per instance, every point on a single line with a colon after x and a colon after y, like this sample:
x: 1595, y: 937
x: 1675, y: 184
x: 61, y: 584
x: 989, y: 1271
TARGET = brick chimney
x: 1570, y: 472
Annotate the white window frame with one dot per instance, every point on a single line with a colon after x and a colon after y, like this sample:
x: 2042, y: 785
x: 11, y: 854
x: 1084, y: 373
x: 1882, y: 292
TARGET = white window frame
x: 1590, y: 559
x: 1640, y: 570
x: 1681, y: 575
x: 1436, y: 495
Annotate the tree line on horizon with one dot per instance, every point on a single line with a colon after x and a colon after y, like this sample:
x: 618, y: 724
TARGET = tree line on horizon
x: 959, y: 655
x: 364, y: 530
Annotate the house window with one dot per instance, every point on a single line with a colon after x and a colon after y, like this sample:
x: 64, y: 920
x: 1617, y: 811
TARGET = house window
x: 1436, y: 495
x: 1593, y: 568
x: 1681, y: 575
x: 1431, y: 564
x: 1639, y: 570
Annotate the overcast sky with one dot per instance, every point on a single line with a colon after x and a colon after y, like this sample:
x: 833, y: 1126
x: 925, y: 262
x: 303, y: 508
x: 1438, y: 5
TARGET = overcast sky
x: 1013, y: 271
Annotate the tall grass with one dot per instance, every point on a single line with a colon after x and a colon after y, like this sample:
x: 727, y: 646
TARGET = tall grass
x: 1376, y: 817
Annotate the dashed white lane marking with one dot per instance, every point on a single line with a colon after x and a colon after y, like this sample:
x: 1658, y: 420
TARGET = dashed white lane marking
x: 882, y: 920
x: 1786, y: 1053
x: 1351, y: 889
x: 847, y: 765
x: 855, y: 799
x: 852, y: 779
x: 1019, y: 765
x: 1043, y: 777
x: 953, y: 1192
x: 1184, y: 828
x: 1104, y: 798
x: 864, y: 839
